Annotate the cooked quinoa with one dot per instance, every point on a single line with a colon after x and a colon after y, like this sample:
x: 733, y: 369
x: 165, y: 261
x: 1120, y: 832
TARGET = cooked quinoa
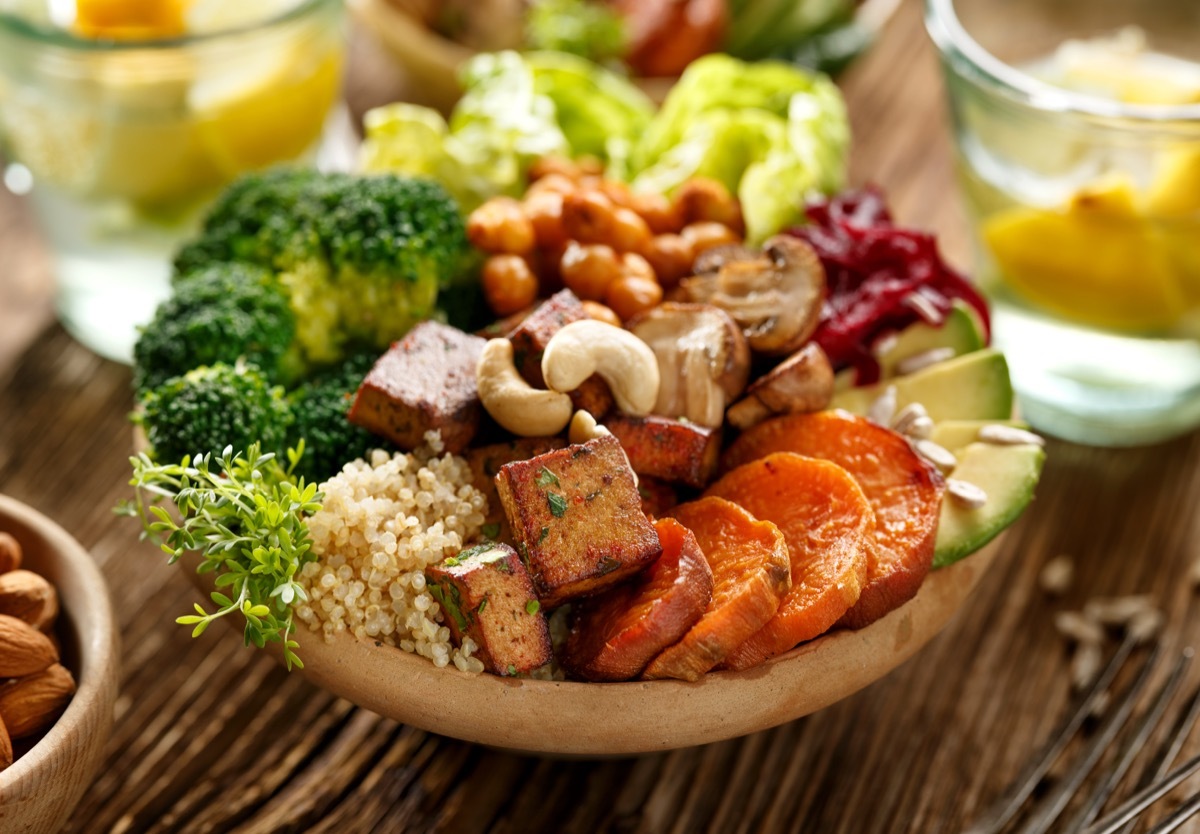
x: 382, y: 522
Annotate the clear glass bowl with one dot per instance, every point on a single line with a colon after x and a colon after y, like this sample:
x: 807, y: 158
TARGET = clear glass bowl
x: 1080, y: 166
x: 123, y: 143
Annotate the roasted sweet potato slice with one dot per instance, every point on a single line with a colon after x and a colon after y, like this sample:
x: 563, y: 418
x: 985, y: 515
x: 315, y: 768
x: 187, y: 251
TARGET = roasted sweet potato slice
x: 614, y: 635
x: 905, y: 492
x: 827, y: 522
x: 749, y: 561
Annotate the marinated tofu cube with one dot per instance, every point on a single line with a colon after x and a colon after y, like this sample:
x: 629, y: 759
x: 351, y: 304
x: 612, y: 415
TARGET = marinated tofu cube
x: 577, y: 519
x: 529, y: 341
x: 671, y: 450
x: 426, y: 381
x: 486, y: 595
x: 485, y: 463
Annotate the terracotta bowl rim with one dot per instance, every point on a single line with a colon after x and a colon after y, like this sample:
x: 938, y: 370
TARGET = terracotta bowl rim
x: 91, y: 619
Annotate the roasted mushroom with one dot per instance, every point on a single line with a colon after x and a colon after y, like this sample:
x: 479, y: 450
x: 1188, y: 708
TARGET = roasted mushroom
x: 803, y: 382
x: 775, y: 298
x: 703, y: 360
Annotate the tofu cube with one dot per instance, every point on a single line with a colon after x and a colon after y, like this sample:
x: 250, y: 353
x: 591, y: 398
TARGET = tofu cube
x: 485, y: 463
x: 486, y: 595
x: 529, y: 341
x: 577, y: 519
x: 671, y: 450
x: 426, y: 381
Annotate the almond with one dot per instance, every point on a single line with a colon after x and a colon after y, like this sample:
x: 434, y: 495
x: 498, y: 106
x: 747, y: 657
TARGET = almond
x: 10, y: 552
x: 23, y: 649
x: 33, y: 703
x: 6, y: 750
x: 28, y: 597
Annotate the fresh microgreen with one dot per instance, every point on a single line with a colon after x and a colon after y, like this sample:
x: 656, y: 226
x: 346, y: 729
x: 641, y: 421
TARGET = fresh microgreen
x: 558, y: 504
x: 542, y: 536
x: 533, y: 606
x: 546, y: 478
x: 511, y: 670
x: 491, y: 531
x: 245, y: 516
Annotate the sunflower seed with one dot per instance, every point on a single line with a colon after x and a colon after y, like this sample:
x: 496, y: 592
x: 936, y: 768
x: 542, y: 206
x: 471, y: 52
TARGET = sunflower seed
x: 1001, y: 435
x: 939, y: 456
x: 924, y: 308
x: 1057, y: 575
x: 906, y: 415
x: 922, y: 360
x: 920, y: 428
x: 1117, y: 611
x: 1144, y: 625
x: 1100, y: 705
x: 965, y: 493
x: 884, y: 407
x: 884, y: 344
x: 1077, y: 627
x: 1085, y: 665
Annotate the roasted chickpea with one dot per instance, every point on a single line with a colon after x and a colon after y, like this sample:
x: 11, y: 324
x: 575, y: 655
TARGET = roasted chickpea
x: 629, y: 231
x: 635, y: 266
x: 658, y: 212
x: 500, y: 226
x: 630, y: 295
x: 616, y: 191
x: 588, y: 216
x: 545, y: 212
x: 588, y: 269
x: 671, y: 257
x: 509, y: 284
x: 702, y: 200
x: 554, y: 183
x: 558, y: 165
x: 706, y: 235
x: 599, y: 312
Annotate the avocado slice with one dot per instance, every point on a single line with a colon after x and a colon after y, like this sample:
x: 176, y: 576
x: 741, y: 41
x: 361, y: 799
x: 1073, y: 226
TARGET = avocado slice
x: 956, y: 434
x: 974, y: 386
x: 1008, y: 474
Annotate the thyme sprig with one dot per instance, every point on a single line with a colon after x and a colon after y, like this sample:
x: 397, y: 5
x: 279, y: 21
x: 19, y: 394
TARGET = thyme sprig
x: 245, y: 516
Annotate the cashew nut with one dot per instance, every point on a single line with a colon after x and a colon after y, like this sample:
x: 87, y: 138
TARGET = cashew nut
x: 513, y: 402
x: 624, y: 361
x: 584, y: 428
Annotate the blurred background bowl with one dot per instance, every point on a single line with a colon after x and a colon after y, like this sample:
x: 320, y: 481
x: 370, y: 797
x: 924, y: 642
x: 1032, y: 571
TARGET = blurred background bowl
x: 40, y: 790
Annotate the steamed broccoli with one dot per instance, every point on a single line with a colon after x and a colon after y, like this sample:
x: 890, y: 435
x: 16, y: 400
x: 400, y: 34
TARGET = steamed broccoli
x: 319, y: 408
x: 220, y: 313
x: 362, y: 258
x: 212, y: 407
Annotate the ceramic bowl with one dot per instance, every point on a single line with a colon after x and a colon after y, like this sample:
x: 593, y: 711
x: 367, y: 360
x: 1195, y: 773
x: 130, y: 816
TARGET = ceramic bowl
x: 39, y: 792
x: 617, y: 719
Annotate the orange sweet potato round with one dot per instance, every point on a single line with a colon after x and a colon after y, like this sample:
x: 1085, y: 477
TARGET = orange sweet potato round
x: 905, y: 492
x: 614, y: 635
x: 827, y: 523
x: 750, y: 565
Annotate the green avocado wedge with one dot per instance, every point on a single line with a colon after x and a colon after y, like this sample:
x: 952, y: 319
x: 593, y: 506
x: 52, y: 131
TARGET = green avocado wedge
x: 1008, y: 474
x: 974, y: 386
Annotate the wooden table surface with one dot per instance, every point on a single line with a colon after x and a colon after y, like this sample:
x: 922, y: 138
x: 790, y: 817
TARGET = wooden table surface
x: 213, y: 737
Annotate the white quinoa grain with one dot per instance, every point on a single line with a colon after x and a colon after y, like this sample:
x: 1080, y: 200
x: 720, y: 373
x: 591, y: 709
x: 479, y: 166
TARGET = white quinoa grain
x: 382, y: 523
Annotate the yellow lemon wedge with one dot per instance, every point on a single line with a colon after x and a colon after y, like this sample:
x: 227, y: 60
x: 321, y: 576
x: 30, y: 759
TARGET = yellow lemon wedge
x: 1097, y: 260
x: 252, y: 120
x: 130, y: 19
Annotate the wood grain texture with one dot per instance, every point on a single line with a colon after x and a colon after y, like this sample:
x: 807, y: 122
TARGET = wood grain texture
x: 213, y: 737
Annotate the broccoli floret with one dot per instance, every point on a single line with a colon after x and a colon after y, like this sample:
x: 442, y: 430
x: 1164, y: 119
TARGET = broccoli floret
x: 212, y: 407
x: 319, y: 408
x: 222, y: 313
x: 362, y: 258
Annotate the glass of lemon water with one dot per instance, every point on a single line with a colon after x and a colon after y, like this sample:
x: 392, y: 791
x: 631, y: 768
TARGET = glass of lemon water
x: 1077, y: 131
x: 124, y: 118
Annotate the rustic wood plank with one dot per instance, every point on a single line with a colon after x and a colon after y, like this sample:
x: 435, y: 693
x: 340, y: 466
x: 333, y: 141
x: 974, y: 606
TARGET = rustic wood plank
x: 213, y: 737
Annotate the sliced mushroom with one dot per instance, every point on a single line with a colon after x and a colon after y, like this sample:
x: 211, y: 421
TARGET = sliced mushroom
x: 703, y: 360
x: 802, y: 382
x: 775, y: 298
x: 711, y: 260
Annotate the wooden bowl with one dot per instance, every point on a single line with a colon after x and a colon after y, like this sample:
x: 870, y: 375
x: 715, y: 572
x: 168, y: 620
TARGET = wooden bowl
x: 39, y: 792
x: 613, y: 719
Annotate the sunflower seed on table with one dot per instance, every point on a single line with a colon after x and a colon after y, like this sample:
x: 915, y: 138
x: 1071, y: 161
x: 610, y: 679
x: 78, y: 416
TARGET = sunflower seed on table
x: 1057, y: 575
x: 1086, y: 664
x: 939, y: 456
x: 922, y: 360
x: 1117, y: 611
x: 1077, y: 627
x: 1100, y: 705
x: 1144, y: 625
x: 884, y: 407
x: 1001, y: 435
x: 965, y: 493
